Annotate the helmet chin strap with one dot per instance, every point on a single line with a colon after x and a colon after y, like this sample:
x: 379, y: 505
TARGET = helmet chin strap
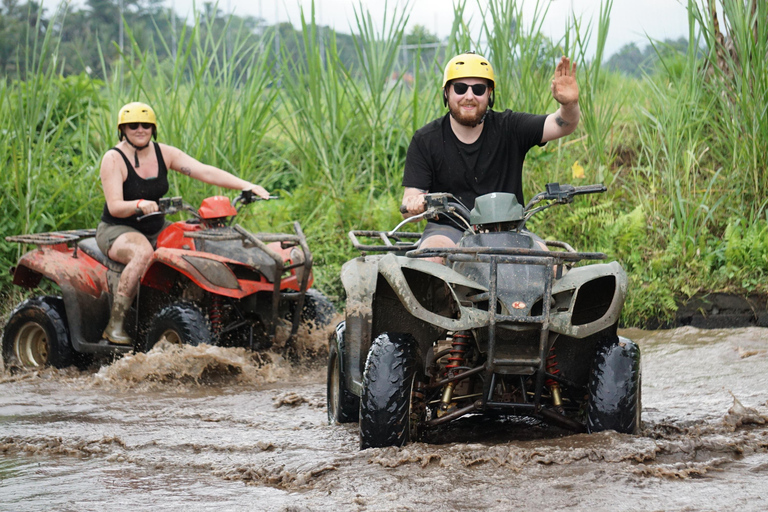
x: 137, y: 148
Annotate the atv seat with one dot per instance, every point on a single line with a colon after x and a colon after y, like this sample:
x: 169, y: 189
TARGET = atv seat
x: 89, y: 247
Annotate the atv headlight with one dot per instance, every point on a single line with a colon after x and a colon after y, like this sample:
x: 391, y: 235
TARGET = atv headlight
x: 216, y: 272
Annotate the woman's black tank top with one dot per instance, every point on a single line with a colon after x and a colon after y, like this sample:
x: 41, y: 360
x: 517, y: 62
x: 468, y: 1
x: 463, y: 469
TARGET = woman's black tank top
x: 135, y: 187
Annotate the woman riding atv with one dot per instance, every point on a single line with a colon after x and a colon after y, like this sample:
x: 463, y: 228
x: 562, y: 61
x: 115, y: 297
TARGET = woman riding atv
x: 132, y: 188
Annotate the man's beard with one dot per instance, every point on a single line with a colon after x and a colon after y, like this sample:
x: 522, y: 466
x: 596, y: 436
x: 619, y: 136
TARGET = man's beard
x: 466, y: 119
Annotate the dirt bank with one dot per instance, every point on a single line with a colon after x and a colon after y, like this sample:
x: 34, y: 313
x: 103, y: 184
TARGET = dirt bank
x: 717, y: 311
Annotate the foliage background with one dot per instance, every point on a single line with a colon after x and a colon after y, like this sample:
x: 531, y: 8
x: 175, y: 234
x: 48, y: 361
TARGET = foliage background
x: 678, y: 134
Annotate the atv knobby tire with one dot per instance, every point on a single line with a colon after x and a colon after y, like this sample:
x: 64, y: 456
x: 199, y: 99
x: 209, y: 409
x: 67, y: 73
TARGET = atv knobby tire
x: 37, y: 335
x: 390, y: 414
x: 182, y: 323
x: 343, y: 406
x: 317, y: 311
x: 615, y: 387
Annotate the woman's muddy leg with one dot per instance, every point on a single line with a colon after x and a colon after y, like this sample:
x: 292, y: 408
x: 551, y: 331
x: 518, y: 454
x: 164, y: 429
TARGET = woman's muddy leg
x: 135, y: 251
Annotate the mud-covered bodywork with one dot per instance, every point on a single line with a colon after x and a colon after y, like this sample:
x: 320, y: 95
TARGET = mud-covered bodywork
x: 389, y: 293
x: 506, y: 322
x: 250, y: 287
x: 407, y: 295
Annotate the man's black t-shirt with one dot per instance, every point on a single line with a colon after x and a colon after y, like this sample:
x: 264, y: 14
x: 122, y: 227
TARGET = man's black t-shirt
x: 438, y: 162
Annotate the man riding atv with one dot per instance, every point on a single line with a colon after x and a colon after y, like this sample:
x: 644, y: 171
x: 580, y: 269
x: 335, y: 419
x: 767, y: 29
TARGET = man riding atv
x: 473, y: 150
x: 510, y: 324
x: 133, y: 189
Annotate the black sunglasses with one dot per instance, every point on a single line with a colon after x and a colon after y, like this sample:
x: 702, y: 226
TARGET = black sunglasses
x: 135, y: 126
x: 460, y: 88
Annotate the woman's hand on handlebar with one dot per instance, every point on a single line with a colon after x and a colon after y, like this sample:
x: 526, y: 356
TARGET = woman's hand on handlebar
x: 259, y: 191
x: 145, y: 207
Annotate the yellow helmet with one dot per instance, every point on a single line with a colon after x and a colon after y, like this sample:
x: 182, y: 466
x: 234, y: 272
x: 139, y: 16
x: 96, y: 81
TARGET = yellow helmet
x: 468, y: 65
x: 136, y: 112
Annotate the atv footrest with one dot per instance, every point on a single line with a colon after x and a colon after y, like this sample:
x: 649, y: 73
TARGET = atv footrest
x: 532, y: 362
x: 511, y: 405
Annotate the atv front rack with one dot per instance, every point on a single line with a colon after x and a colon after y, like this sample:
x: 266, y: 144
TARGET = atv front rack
x: 285, y: 240
x: 260, y: 240
x: 480, y: 254
x: 386, y: 237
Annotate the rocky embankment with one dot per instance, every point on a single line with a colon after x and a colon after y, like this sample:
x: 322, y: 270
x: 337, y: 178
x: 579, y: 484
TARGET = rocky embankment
x: 719, y: 311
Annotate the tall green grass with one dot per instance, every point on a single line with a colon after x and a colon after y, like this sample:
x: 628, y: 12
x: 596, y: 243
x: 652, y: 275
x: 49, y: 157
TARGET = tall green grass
x: 46, y: 148
x: 736, y: 78
x: 681, y: 149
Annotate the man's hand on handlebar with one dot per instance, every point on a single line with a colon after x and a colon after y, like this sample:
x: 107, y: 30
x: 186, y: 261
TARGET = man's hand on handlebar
x: 413, y: 205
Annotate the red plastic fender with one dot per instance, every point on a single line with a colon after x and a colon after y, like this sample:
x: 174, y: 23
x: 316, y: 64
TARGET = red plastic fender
x: 59, y: 264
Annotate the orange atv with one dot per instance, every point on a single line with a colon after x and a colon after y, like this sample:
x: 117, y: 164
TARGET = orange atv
x: 209, y: 282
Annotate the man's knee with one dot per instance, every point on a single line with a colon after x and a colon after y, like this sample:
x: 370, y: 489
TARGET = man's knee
x: 436, y: 241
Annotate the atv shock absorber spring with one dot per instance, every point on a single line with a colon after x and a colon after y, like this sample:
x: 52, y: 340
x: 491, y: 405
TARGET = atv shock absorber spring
x: 554, y: 386
x: 215, y: 316
x: 460, y: 345
x: 456, y: 358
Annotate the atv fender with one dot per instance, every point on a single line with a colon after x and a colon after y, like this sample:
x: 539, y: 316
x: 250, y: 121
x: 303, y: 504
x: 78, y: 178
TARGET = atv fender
x: 391, y: 267
x: 82, y: 272
x: 84, y: 289
x: 210, y: 272
x: 359, y: 277
x: 588, y: 299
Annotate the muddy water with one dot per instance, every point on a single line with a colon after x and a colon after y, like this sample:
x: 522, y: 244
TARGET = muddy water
x: 205, y: 428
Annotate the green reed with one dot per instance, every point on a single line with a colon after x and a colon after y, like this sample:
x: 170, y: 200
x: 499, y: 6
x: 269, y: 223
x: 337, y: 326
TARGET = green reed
x: 736, y: 78
x: 46, y: 148
x: 339, y: 120
x: 680, y: 149
x: 215, y: 102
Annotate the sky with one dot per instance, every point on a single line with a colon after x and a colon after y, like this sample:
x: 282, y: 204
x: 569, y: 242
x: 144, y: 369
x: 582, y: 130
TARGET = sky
x: 631, y: 20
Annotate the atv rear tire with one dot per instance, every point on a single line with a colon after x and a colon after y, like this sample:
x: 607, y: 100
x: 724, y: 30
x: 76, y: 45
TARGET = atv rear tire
x: 615, y: 388
x: 37, y: 335
x: 343, y: 406
x: 390, y: 412
x: 181, y: 323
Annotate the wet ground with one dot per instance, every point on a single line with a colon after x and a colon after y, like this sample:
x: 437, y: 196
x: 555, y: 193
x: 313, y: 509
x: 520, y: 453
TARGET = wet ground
x: 205, y: 428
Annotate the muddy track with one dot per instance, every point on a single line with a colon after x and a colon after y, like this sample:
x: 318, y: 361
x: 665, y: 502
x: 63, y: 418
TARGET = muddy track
x: 213, y: 428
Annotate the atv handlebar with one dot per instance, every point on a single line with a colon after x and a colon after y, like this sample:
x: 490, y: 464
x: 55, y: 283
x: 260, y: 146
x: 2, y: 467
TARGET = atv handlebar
x: 565, y: 193
x: 436, y: 204
x: 248, y: 197
x: 171, y: 205
x: 167, y: 206
x: 447, y: 204
x: 557, y: 194
x: 441, y: 202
